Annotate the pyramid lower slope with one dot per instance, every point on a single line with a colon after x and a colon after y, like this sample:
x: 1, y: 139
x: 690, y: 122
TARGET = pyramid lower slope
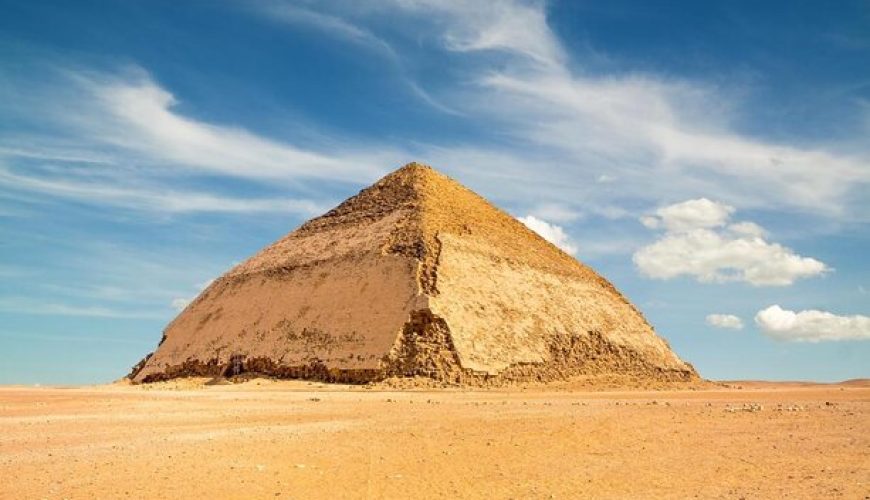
x: 415, y: 276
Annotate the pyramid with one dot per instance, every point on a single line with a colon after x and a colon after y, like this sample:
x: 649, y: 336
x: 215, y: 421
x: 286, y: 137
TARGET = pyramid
x: 415, y: 276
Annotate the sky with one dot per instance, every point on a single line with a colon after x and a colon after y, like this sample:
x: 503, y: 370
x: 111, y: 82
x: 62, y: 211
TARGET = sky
x: 711, y: 159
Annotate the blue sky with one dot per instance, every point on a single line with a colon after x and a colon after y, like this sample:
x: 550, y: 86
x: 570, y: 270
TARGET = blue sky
x: 711, y: 159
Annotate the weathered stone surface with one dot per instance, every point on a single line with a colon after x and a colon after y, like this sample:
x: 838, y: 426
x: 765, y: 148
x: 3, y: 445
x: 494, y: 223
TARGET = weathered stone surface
x: 414, y: 276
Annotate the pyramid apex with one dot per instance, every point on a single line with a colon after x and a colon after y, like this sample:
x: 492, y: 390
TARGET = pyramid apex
x: 414, y: 175
x: 415, y: 170
x: 415, y: 165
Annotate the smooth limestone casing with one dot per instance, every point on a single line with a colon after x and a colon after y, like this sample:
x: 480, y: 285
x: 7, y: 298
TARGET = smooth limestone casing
x: 509, y: 311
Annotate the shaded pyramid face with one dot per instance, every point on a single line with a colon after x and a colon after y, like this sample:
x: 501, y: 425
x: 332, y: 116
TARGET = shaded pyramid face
x: 414, y: 276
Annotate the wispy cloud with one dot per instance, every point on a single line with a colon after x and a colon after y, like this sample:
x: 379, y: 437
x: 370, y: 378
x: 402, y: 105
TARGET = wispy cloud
x: 558, y: 129
x: 342, y: 29
x: 136, y: 114
x: 296, y: 15
x: 22, y: 305
x: 517, y: 27
x: 153, y: 199
x: 117, y: 139
x: 101, y: 280
x: 74, y: 338
x: 663, y: 138
x: 126, y: 118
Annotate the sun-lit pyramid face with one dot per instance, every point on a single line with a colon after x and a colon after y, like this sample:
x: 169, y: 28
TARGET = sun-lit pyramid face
x: 414, y: 276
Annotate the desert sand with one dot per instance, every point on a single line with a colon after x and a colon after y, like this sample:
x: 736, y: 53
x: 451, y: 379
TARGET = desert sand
x: 292, y: 439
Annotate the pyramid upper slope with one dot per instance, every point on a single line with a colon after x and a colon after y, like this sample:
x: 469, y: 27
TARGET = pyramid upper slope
x: 422, y: 203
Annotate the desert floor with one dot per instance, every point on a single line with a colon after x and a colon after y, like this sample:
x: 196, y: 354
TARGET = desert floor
x: 264, y: 439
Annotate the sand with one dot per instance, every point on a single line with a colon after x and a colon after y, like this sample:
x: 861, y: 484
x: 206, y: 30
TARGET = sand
x: 265, y: 439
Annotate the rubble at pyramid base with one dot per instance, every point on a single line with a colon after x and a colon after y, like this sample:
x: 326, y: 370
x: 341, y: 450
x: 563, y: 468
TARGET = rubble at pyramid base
x: 425, y: 352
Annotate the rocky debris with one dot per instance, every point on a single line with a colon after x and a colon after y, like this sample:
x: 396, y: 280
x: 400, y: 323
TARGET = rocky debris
x: 415, y: 278
x: 792, y: 407
x: 746, y: 407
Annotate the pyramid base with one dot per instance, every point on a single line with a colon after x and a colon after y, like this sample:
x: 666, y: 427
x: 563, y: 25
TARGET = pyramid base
x: 425, y: 350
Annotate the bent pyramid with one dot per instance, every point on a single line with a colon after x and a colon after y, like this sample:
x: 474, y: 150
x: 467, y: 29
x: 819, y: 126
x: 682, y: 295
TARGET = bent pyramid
x: 414, y: 276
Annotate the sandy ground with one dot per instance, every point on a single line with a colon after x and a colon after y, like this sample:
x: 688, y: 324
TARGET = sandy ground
x: 264, y: 439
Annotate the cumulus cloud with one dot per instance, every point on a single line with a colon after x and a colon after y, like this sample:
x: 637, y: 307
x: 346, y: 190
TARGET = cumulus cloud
x: 724, y: 321
x: 698, y: 241
x: 179, y: 303
x: 550, y: 232
x: 692, y: 214
x: 811, y: 325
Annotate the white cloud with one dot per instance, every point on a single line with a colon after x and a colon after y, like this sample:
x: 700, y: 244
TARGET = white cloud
x: 724, y: 321
x: 23, y: 305
x: 550, y: 232
x: 659, y: 136
x: 556, y: 212
x: 811, y: 325
x: 98, y: 278
x: 656, y: 137
x: 333, y: 24
x: 695, y: 244
x: 693, y: 214
x: 179, y: 303
x: 650, y: 221
x: 747, y: 229
x: 662, y: 138
x: 68, y: 337
x: 353, y: 33
x: 118, y: 139
x: 152, y: 199
x: 516, y: 27
x: 137, y: 114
